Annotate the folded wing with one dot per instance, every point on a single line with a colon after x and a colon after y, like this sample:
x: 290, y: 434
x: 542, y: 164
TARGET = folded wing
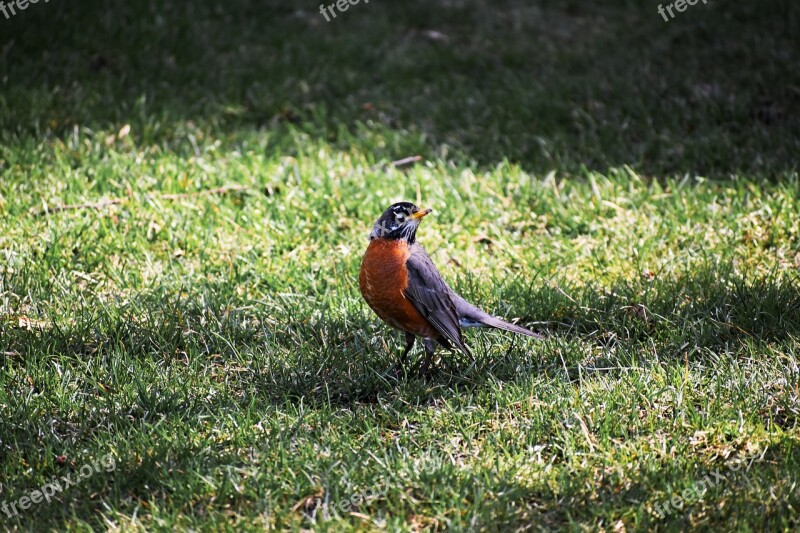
x: 432, y: 297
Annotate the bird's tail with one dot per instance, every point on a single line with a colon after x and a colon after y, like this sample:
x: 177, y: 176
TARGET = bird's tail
x: 494, y: 322
x: 471, y: 316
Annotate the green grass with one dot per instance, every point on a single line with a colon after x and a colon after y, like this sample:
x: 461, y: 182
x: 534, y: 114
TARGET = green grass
x: 626, y: 185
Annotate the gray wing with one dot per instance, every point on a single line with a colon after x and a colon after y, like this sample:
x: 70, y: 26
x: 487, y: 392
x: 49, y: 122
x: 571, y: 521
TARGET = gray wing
x: 430, y: 295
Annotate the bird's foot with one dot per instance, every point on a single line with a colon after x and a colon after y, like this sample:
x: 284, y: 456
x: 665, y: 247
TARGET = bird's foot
x: 426, y: 367
x: 398, y: 371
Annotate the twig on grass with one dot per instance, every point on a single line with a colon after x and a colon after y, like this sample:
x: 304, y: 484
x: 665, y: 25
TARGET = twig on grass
x: 400, y: 163
x: 72, y: 207
x: 207, y: 192
x: 114, y: 201
x: 406, y: 161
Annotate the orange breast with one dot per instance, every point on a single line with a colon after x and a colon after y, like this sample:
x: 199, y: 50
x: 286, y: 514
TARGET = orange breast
x: 383, y: 278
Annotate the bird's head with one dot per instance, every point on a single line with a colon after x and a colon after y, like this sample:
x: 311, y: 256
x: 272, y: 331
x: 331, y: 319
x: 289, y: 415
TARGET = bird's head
x: 399, y: 221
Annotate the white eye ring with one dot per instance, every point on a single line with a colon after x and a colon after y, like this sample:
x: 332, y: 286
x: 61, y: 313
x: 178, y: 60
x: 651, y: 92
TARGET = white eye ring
x: 400, y: 218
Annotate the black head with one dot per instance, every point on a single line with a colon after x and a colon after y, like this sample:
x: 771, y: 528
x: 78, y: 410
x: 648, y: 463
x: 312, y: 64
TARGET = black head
x: 400, y: 221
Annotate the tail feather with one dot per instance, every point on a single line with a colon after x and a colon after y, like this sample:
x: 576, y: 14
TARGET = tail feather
x: 471, y: 316
x: 501, y: 324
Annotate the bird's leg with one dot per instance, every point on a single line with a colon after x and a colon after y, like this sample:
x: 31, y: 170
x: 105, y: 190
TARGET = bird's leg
x: 429, y: 349
x: 410, y: 338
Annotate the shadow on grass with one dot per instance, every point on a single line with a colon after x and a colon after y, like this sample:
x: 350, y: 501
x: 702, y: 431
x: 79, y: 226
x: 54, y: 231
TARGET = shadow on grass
x: 551, y: 85
x: 166, y: 363
x: 345, y: 356
x: 716, y: 487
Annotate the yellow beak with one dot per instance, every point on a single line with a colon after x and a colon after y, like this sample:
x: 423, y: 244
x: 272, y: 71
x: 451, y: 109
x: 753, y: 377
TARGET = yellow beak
x: 421, y: 213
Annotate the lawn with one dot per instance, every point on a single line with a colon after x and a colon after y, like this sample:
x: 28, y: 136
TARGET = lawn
x: 185, y: 196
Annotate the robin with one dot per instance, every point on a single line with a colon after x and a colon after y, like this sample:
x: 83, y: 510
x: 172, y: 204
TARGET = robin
x: 401, y: 284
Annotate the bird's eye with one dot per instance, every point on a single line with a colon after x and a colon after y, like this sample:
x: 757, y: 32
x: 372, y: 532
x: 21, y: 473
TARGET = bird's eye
x: 400, y: 218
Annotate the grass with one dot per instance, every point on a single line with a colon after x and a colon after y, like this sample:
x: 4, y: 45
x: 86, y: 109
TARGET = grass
x: 626, y: 185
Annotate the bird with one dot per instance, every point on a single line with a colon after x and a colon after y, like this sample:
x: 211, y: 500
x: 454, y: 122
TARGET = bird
x: 400, y: 283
